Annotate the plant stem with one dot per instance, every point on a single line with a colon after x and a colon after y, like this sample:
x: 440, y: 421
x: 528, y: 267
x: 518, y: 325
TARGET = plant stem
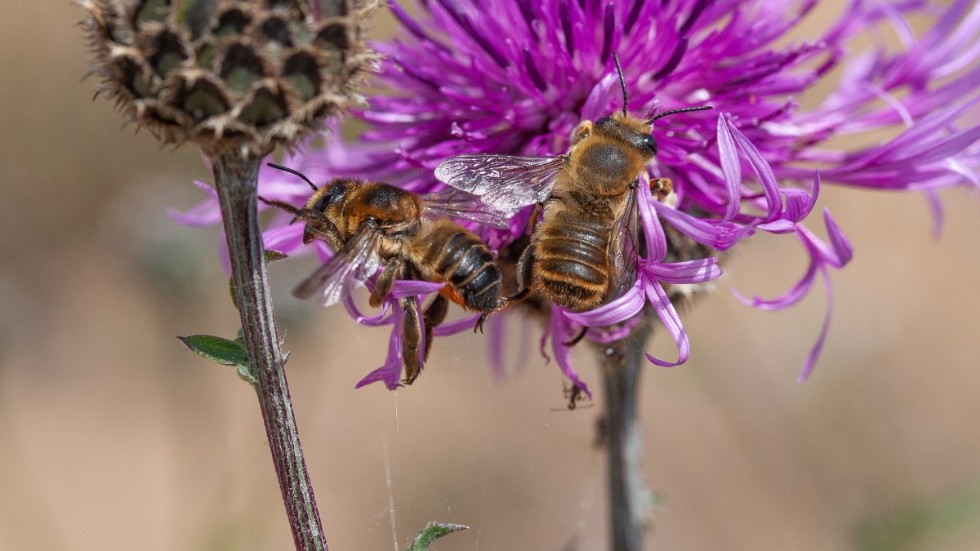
x: 236, y: 182
x: 620, y: 363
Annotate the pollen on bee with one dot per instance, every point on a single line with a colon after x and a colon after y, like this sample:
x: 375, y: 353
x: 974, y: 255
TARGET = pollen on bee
x: 663, y: 190
x: 580, y: 132
x: 661, y: 187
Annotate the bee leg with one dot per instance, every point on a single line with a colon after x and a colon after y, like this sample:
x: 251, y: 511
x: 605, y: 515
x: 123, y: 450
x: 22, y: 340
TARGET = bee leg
x: 502, y: 304
x: 411, y: 337
x: 577, y: 338
x: 574, y: 395
x: 525, y: 267
x: 387, y: 278
x: 524, y: 274
x: 434, y: 315
x: 532, y: 222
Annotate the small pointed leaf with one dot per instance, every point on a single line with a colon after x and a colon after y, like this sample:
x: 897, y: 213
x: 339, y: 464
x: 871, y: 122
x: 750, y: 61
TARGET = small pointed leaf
x: 273, y: 255
x: 221, y: 351
x: 432, y: 532
x: 246, y: 374
x: 231, y: 290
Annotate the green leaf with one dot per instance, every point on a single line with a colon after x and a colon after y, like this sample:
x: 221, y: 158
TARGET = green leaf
x: 246, y: 374
x: 231, y: 290
x: 432, y: 532
x: 221, y: 351
x: 272, y: 255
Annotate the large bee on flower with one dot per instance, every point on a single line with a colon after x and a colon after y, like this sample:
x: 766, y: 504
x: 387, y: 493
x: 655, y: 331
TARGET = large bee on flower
x: 583, y: 250
x: 373, y: 225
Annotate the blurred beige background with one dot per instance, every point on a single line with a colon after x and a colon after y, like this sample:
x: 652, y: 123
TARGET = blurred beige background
x: 113, y: 436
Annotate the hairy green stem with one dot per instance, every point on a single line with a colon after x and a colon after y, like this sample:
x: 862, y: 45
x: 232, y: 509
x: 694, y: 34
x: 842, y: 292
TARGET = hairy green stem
x: 620, y: 363
x: 236, y: 182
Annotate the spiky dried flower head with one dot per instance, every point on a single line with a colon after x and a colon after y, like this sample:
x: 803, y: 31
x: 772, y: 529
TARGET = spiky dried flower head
x: 229, y: 75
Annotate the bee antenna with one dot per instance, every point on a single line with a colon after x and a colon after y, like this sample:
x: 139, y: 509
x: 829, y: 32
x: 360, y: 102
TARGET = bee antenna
x: 622, y: 82
x: 294, y: 172
x: 284, y: 206
x: 675, y: 111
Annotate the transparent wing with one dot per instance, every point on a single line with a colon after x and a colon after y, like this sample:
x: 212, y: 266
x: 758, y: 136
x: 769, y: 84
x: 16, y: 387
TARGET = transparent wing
x: 624, y: 247
x: 354, y: 263
x: 506, y: 182
x: 459, y: 205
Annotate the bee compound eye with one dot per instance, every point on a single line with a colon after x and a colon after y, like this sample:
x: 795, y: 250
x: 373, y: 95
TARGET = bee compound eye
x: 650, y: 143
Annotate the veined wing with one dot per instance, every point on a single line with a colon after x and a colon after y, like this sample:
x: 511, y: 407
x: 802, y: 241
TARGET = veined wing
x: 624, y: 247
x: 460, y: 205
x: 506, y: 182
x: 354, y: 263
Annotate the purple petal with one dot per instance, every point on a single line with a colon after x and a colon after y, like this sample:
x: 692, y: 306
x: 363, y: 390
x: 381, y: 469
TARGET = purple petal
x: 671, y: 320
x: 843, y: 250
x: 616, y: 311
x: 781, y: 225
x: 799, y: 203
x: 652, y: 230
x: 381, y: 318
x: 762, y: 169
x: 285, y: 239
x: 597, y: 104
x: 389, y: 373
x: 811, y: 358
x: 787, y: 299
x: 713, y: 233
x: 457, y: 326
x: 496, y: 334
x: 687, y: 272
x: 558, y: 332
x: 409, y: 287
x: 205, y: 213
x: 618, y: 332
x: 730, y: 167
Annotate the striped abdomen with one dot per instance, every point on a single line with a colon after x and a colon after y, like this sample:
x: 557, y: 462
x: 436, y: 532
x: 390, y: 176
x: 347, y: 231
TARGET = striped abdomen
x: 571, y: 267
x: 451, y: 253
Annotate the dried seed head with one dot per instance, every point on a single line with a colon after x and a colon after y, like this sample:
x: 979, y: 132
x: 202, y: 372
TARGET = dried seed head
x: 229, y: 74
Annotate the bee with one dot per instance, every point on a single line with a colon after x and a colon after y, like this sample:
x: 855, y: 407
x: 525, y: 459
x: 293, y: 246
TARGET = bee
x: 583, y: 249
x: 374, y: 225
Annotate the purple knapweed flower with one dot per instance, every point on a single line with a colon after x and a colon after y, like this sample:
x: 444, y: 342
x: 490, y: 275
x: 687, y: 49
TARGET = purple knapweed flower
x: 461, y: 80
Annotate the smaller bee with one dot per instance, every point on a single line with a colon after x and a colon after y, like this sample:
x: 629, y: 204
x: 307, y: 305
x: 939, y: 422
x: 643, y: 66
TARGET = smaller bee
x: 372, y: 225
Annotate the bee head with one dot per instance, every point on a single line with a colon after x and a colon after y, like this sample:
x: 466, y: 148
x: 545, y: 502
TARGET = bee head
x: 636, y: 132
x: 392, y: 210
x: 322, y: 206
x: 632, y: 130
x: 332, y: 194
x: 629, y: 129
